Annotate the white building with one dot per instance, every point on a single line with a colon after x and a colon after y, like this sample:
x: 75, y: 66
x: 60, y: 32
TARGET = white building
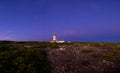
x: 55, y: 40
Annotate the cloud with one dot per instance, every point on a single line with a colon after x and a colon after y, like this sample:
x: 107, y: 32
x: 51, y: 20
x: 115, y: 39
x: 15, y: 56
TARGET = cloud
x: 7, y: 35
x: 7, y: 38
x: 69, y: 33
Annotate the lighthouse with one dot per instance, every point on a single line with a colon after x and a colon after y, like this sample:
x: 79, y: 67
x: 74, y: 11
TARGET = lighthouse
x: 54, y: 36
x: 54, y: 40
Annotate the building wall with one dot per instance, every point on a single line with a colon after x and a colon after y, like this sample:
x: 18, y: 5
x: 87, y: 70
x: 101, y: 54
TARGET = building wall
x: 60, y: 41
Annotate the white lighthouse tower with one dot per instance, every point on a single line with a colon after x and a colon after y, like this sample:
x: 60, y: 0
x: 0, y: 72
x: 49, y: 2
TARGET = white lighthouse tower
x: 54, y: 36
x: 55, y: 40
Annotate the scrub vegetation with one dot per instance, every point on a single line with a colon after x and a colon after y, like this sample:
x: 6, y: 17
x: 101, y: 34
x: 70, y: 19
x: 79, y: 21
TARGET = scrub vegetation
x: 44, y: 57
x: 20, y: 59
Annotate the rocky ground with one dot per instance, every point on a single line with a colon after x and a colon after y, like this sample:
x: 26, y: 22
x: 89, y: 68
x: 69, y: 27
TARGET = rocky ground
x: 79, y: 58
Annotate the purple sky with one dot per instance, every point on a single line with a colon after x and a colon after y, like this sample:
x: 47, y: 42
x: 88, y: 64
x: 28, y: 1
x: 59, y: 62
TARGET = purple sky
x: 73, y: 20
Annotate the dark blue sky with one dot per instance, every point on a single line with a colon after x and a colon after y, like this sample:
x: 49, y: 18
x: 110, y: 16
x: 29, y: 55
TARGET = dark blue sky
x: 74, y: 20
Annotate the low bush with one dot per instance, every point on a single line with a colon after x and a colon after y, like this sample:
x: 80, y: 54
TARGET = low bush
x: 113, y: 56
x: 85, y: 62
x: 23, y: 60
x: 87, y: 50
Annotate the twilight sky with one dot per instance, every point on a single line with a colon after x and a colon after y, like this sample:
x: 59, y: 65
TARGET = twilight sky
x: 73, y: 20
